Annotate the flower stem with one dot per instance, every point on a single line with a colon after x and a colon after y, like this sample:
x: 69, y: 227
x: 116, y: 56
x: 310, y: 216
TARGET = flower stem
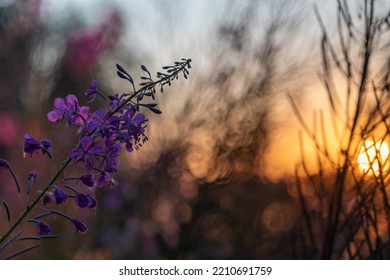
x: 151, y: 85
x: 35, y: 201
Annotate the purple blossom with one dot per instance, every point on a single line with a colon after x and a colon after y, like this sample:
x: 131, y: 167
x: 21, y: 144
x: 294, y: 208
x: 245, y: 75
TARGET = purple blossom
x: 105, y: 179
x: 84, y: 116
x: 86, y: 152
x: 117, y: 100
x: 67, y: 109
x: 92, y: 91
x: 132, y: 131
x: 83, y: 200
x: 111, y: 153
x: 47, y: 198
x: 101, y: 126
x: 31, y: 146
x: 43, y: 228
x: 60, y: 196
x: 87, y: 180
x: 61, y: 108
x: 93, y: 201
x: 79, y: 226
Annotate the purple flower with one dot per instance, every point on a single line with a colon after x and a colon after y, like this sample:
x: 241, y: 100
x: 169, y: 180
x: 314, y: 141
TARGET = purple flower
x: 43, y: 228
x: 93, y: 201
x: 105, y: 179
x: 86, y: 152
x: 31, y: 146
x: 60, y: 196
x: 47, y: 198
x: 83, y: 200
x: 80, y: 226
x: 132, y: 131
x: 111, y: 152
x: 87, y: 180
x: 117, y: 100
x: 91, y: 92
x: 67, y: 109
x: 100, y: 126
x: 4, y: 163
x: 84, y: 116
x: 97, y: 121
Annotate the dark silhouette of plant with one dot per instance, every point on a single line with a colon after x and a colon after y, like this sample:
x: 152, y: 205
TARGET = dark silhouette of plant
x: 345, y: 207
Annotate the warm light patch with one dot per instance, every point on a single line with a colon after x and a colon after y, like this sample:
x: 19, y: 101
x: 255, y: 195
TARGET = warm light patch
x: 373, y: 157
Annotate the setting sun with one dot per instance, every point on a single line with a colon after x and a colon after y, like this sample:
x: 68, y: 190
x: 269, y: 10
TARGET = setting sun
x: 373, y: 156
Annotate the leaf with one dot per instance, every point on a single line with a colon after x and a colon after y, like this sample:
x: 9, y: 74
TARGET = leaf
x: 40, y: 237
x: 7, y: 210
x: 150, y: 105
x: 123, y: 76
x: 120, y: 68
x: 23, y: 251
x: 154, y: 110
x: 15, y: 179
x: 11, y: 239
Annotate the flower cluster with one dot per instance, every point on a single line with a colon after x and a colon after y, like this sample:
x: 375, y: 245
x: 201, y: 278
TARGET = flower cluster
x: 102, y: 134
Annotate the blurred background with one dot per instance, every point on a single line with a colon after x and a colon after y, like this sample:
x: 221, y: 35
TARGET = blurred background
x: 214, y: 180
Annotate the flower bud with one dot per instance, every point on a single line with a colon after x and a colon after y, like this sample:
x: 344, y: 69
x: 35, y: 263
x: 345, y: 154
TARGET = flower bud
x: 43, y: 228
x: 79, y: 226
x: 60, y: 196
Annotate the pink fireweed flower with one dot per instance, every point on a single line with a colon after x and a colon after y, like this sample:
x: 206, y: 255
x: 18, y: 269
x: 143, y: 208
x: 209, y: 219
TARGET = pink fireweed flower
x: 69, y: 110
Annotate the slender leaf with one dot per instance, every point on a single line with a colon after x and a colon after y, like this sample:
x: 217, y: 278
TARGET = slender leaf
x: 7, y: 210
x: 29, y: 248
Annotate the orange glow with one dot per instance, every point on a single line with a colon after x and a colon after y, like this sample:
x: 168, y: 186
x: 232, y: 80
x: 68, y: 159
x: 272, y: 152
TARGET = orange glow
x: 373, y: 157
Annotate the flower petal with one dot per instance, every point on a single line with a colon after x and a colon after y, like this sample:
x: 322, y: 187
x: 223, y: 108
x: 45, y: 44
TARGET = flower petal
x: 54, y: 116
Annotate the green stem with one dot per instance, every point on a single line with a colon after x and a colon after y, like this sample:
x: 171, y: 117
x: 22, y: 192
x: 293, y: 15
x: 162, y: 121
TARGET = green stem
x: 35, y: 202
